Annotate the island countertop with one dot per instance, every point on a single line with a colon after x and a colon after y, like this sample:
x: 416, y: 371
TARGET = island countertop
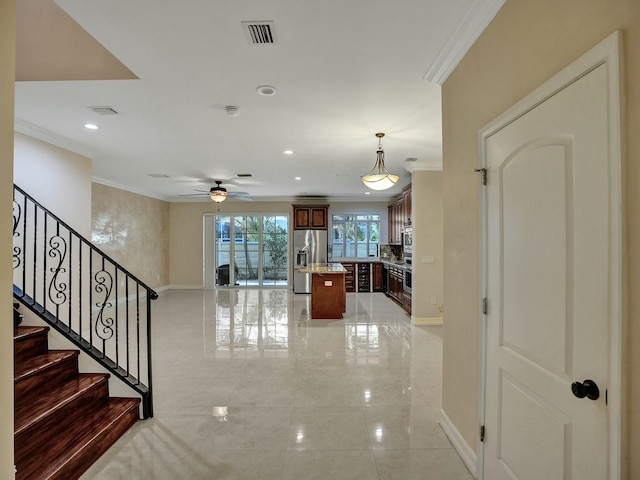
x: 323, y: 268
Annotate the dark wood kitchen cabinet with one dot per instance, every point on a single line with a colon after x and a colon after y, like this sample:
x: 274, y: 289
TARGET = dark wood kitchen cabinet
x: 350, y: 277
x: 396, y: 284
x: 378, y: 277
x: 396, y: 220
x: 406, y: 205
x: 312, y: 217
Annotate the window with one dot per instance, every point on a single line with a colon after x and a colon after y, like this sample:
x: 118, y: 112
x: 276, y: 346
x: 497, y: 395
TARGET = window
x: 355, y: 235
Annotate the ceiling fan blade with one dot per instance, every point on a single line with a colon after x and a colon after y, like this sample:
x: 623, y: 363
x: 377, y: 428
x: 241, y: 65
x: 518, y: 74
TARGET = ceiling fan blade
x: 193, y: 194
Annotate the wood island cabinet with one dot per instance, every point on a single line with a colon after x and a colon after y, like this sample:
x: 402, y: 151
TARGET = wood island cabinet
x: 327, y: 295
x: 312, y: 217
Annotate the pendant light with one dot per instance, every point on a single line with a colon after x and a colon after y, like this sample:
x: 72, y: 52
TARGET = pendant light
x: 379, y: 177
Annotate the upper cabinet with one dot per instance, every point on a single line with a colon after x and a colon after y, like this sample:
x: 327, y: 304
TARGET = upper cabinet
x: 312, y: 217
x: 406, y: 205
x: 396, y: 219
x: 400, y: 216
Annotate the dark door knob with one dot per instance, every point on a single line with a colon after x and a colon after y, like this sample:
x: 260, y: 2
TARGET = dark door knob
x: 588, y: 389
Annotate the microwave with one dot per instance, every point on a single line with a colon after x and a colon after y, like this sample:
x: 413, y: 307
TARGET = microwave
x: 407, y: 240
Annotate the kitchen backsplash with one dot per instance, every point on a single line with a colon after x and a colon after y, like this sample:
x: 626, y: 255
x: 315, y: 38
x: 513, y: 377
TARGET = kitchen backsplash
x: 391, y: 253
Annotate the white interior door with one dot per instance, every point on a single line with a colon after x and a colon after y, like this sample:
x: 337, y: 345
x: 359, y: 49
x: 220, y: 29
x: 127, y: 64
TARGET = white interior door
x: 551, y: 265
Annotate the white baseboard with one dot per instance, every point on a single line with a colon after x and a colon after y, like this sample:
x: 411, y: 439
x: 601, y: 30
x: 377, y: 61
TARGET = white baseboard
x: 467, y: 455
x: 424, y: 321
x: 183, y: 287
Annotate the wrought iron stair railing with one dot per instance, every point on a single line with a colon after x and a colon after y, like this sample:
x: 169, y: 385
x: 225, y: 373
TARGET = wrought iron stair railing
x: 83, y: 294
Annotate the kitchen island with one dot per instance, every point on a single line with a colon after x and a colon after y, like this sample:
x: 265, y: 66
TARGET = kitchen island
x: 328, y: 292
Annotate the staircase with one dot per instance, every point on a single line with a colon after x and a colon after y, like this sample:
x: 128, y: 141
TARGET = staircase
x: 64, y: 420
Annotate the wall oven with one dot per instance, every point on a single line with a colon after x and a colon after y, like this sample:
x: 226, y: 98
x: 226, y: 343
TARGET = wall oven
x: 407, y: 273
x: 407, y: 240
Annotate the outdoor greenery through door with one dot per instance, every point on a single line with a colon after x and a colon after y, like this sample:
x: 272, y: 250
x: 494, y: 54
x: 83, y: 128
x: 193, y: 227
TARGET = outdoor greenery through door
x: 251, y: 250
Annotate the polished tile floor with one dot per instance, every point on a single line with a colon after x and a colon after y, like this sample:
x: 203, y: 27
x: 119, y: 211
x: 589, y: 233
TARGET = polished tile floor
x: 247, y: 386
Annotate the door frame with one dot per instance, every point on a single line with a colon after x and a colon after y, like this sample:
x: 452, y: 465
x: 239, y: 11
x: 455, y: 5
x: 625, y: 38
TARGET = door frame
x: 608, y: 53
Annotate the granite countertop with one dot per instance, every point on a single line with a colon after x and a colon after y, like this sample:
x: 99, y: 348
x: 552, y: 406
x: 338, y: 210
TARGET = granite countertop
x: 323, y: 268
x: 395, y: 263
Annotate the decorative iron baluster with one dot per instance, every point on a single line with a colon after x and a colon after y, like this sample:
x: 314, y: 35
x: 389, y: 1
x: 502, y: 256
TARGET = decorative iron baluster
x: 70, y: 304
x: 24, y: 244
x: 104, y: 324
x: 57, y: 288
x: 126, y: 302
x: 44, y: 259
x: 17, y: 214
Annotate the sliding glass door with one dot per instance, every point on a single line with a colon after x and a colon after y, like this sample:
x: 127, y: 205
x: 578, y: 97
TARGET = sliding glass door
x: 248, y: 250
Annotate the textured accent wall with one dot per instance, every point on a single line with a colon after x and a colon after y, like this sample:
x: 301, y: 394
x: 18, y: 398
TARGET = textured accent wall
x: 134, y: 230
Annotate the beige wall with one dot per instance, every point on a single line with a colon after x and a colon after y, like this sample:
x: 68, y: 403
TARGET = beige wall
x: 427, y: 221
x: 57, y: 178
x: 7, y: 66
x: 134, y: 230
x: 526, y: 44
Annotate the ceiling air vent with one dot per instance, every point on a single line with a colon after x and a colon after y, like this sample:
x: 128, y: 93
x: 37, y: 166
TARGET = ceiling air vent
x: 259, y: 33
x: 244, y: 175
x: 104, y: 110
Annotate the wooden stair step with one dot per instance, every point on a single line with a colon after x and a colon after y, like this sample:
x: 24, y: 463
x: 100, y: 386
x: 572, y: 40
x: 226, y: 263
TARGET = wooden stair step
x: 29, y: 342
x: 71, y: 453
x: 35, y: 422
x: 44, y: 371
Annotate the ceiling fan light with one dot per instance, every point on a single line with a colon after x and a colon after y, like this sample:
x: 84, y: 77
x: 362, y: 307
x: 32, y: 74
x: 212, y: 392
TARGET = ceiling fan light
x: 218, y: 196
x: 379, y: 177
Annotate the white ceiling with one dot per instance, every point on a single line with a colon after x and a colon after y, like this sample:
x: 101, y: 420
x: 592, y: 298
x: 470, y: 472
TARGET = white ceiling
x: 343, y: 70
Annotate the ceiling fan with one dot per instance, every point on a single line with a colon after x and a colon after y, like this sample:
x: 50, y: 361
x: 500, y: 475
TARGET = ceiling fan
x: 219, y: 194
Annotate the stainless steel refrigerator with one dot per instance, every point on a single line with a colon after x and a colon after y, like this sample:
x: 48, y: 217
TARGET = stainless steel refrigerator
x: 309, y: 246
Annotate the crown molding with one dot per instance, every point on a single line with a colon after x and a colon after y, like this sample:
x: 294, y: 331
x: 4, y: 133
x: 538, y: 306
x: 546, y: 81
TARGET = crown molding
x: 464, y: 36
x: 423, y: 166
x: 39, y: 133
x: 126, y: 188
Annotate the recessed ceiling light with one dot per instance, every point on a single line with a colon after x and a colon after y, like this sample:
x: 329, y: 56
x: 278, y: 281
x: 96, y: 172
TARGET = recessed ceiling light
x: 288, y: 152
x: 91, y: 126
x: 298, y: 178
x: 266, y: 90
